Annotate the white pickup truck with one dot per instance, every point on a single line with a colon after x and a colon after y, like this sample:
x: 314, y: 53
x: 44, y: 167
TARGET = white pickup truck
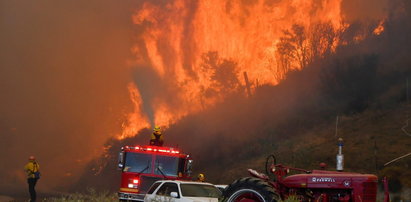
x: 182, y: 191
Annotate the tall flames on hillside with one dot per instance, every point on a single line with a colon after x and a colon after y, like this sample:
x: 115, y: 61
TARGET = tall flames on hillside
x: 191, y: 54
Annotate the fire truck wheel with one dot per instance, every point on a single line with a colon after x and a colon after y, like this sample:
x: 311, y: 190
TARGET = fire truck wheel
x: 250, y: 189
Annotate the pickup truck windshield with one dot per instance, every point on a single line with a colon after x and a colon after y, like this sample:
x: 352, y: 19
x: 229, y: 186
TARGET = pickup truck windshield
x: 200, y: 190
x: 137, y: 162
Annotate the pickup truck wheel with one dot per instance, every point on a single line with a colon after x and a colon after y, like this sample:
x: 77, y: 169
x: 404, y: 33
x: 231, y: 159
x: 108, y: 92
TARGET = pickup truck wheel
x: 250, y: 189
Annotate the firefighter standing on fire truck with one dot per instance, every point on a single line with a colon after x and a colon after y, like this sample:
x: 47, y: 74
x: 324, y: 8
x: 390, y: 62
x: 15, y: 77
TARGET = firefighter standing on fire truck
x: 156, y: 137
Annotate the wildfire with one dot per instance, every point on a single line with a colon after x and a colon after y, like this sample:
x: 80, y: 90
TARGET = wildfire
x: 202, y: 48
x: 135, y: 120
x: 379, y: 29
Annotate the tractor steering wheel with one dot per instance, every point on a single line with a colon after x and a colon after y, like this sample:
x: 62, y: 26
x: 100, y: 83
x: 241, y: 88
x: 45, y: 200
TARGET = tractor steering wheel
x: 270, y: 163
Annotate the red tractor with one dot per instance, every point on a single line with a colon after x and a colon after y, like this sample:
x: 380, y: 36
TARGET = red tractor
x: 315, y: 185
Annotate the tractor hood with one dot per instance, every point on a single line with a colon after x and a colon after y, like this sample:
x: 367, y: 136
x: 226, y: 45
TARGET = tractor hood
x: 329, y: 179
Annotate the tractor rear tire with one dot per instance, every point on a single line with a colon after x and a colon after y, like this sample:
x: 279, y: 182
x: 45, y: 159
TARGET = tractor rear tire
x: 250, y: 189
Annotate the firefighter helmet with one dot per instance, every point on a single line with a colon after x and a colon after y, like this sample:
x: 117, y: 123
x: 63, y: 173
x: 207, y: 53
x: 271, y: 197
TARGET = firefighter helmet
x: 32, y: 158
x: 157, y: 130
x: 201, y: 177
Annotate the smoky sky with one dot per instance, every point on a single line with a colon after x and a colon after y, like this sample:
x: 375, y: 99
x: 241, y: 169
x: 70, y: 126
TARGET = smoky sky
x: 63, y: 80
x: 354, y: 10
x: 63, y: 84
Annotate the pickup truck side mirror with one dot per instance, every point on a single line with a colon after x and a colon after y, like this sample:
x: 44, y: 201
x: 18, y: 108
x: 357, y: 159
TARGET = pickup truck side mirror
x: 174, y: 194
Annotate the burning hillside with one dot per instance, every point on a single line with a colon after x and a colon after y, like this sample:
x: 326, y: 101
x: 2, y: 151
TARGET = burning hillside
x: 191, y: 54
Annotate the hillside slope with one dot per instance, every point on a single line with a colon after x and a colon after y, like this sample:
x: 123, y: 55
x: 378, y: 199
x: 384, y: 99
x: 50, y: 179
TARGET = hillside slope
x: 371, y: 139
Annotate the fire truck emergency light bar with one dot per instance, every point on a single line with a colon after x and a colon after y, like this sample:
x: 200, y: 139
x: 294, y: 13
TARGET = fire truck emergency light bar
x: 154, y: 149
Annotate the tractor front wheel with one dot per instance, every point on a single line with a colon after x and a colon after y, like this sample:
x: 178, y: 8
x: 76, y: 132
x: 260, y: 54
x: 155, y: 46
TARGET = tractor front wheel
x: 250, y: 189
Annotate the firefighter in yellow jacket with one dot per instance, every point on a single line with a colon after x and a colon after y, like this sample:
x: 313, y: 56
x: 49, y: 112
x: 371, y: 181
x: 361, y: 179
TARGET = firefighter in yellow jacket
x: 32, y: 169
x: 156, y: 138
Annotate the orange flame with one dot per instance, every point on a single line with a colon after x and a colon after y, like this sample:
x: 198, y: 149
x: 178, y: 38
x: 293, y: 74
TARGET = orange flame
x: 135, y: 120
x: 175, y: 36
x: 380, y: 28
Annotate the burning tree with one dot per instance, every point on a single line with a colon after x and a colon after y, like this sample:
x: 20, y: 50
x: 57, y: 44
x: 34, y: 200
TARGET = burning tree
x: 299, y: 47
x: 221, y: 73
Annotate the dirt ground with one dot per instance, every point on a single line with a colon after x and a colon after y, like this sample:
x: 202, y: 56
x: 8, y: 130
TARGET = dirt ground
x: 6, y: 199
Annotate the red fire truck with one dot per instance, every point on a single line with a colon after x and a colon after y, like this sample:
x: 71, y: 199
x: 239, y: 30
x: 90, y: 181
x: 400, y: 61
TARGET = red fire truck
x: 141, y: 166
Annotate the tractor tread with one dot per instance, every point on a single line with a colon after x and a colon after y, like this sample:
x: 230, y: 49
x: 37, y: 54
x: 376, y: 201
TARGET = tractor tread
x: 256, y: 184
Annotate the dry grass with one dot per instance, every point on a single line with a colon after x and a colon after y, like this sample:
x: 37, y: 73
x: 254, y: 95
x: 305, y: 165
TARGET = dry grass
x: 292, y: 199
x: 91, y: 195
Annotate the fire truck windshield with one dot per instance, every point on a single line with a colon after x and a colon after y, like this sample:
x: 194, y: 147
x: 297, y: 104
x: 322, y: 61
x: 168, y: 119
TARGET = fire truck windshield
x: 137, y: 162
x: 167, y: 165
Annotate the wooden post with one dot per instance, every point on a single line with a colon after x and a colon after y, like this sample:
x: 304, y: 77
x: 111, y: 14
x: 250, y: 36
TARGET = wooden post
x: 247, y: 84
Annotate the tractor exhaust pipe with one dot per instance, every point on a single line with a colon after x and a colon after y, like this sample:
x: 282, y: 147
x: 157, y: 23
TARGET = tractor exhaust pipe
x: 340, y: 156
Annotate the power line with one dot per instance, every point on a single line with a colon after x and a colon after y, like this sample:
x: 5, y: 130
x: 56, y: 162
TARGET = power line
x: 396, y: 159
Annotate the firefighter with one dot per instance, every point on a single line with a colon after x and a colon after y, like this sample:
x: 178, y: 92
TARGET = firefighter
x: 156, y: 137
x: 32, y: 169
x: 201, y: 177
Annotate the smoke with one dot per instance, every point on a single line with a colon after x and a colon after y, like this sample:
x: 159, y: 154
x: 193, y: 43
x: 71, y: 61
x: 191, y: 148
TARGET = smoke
x: 365, y: 11
x: 153, y: 89
x: 63, y: 85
